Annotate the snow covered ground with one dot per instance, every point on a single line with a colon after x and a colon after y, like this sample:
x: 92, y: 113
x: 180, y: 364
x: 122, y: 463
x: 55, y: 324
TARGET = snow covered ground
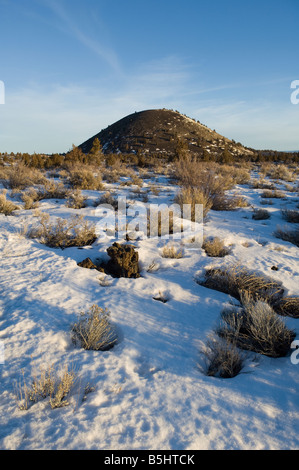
x: 149, y: 391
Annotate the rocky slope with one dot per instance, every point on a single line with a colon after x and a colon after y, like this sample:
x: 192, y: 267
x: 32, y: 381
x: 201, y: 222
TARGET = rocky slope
x: 165, y: 132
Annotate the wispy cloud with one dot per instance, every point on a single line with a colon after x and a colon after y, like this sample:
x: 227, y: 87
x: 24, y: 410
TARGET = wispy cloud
x: 69, y: 26
x: 49, y: 118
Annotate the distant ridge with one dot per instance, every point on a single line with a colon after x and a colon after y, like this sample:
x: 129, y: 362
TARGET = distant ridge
x: 163, y: 132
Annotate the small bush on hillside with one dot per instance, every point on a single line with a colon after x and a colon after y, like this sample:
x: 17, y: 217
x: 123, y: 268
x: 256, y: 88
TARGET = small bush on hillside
x: 52, y: 190
x: 261, y: 214
x: 47, y: 384
x: 221, y: 202
x: 291, y: 216
x: 111, y: 176
x: 273, y: 194
x: 93, y: 331
x: 76, y: 200
x: 172, y: 252
x: 20, y: 177
x: 85, y: 178
x: 288, y: 235
x: 281, y: 172
x: 208, y: 183
x: 288, y: 307
x: 136, y: 180
x: 62, y: 390
x: 262, y: 184
x: 223, y: 359
x: 30, y: 199
x: 193, y: 196
x: 49, y: 190
x: 6, y: 207
x: 238, y: 175
x: 236, y: 279
x: 266, y: 202
x: 256, y: 327
x: 108, y: 198
x: 64, y: 233
x: 215, y: 247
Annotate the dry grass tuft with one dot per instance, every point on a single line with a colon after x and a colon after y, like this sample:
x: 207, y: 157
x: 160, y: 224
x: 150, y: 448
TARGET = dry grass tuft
x: 291, y: 216
x: 52, y: 190
x: 76, y: 200
x: 6, y: 207
x: 215, y: 247
x: 84, y: 178
x: 236, y: 279
x: 273, y: 194
x: 288, y: 235
x: 172, y: 252
x: 93, y: 331
x: 64, y: 233
x: 256, y: 327
x: 20, y: 177
x: 109, y: 199
x: 222, y: 359
x: 261, y: 214
x: 288, y: 307
x: 194, y: 196
x: 47, y: 384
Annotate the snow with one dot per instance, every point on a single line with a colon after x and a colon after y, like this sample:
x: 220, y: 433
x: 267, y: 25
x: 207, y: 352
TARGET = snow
x: 149, y: 391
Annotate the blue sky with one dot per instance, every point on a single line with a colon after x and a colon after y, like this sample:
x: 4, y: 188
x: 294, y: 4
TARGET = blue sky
x: 72, y: 67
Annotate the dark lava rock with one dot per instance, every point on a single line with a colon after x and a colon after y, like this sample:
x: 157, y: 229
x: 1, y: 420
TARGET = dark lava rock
x: 123, y: 261
x: 87, y: 263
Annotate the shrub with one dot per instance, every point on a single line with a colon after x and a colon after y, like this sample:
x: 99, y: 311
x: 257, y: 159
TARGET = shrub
x: 288, y: 235
x: 30, y: 199
x: 48, y: 384
x: 76, y: 200
x: 108, y: 198
x: 193, y: 196
x: 261, y: 214
x: 221, y: 202
x: 288, y: 307
x: 262, y: 184
x: 239, y: 175
x: 62, y: 390
x: 236, y: 279
x: 291, y: 216
x: 192, y: 173
x: 172, y: 252
x: 111, y: 176
x: 52, y: 190
x: 64, y: 233
x: 6, y: 207
x: 20, y: 177
x: 215, y: 247
x: 223, y: 359
x: 85, y: 178
x: 273, y: 194
x: 281, y: 172
x: 256, y: 327
x: 208, y: 184
x: 267, y: 202
x: 93, y: 331
x: 136, y: 180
